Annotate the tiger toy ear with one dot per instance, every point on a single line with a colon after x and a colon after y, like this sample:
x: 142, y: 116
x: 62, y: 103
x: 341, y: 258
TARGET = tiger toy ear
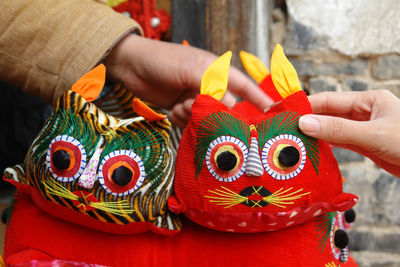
x: 90, y: 85
x: 145, y: 111
x: 215, y: 79
x: 283, y: 74
x: 254, y: 66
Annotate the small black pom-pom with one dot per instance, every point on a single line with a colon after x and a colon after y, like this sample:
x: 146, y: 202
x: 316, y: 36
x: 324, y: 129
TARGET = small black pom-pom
x: 122, y: 176
x: 350, y: 215
x: 226, y: 161
x: 61, y: 160
x: 289, y: 156
x: 341, y: 239
x: 4, y: 215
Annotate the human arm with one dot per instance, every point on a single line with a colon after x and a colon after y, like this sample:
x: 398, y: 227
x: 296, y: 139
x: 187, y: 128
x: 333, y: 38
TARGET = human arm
x: 365, y: 122
x: 46, y: 45
x: 169, y: 75
x: 50, y: 44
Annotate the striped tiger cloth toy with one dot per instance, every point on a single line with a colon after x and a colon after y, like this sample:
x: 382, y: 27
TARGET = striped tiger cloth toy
x: 106, y: 171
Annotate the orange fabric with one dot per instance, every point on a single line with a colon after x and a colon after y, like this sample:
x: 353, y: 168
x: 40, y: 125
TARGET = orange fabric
x: 89, y: 86
x: 145, y: 111
x: 1, y: 261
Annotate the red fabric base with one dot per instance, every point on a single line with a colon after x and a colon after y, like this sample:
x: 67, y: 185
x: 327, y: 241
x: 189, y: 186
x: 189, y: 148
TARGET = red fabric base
x: 34, y: 234
x: 87, y: 221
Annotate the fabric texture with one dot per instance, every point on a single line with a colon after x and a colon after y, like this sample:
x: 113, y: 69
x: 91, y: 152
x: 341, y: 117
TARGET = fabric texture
x: 46, y: 45
x: 295, y: 198
x: 113, y: 173
x: 31, y: 234
x: 285, y: 196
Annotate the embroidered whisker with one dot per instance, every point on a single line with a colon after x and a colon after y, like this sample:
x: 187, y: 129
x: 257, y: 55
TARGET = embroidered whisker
x: 278, y: 193
x: 118, y: 208
x: 225, y: 197
x: 280, y: 199
x: 223, y: 193
x: 57, y: 189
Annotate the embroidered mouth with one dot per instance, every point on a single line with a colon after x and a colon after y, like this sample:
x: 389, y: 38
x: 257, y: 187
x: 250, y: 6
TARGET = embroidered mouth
x: 255, y: 197
x: 84, y: 201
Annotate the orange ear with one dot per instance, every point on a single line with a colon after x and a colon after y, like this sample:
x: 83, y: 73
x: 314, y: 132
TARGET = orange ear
x: 89, y: 86
x: 145, y: 111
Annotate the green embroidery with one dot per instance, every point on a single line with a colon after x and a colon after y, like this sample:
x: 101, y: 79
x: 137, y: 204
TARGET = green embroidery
x: 214, y: 126
x: 324, y: 227
x: 65, y: 122
x: 148, y: 145
x: 288, y: 123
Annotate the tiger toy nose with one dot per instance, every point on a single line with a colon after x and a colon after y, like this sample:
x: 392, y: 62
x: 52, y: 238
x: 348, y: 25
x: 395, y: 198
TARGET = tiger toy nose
x: 89, y: 175
x: 254, y: 165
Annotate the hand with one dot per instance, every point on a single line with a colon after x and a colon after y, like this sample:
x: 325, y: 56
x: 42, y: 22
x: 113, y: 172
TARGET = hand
x: 365, y: 122
x: 169, y: 75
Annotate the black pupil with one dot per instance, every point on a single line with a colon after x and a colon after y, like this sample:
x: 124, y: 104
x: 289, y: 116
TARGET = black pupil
x: 226, y: 161
x: 61, y: 159
x: 289, y: 156
x: 122, y: 176
x: 341, y: 239
x: 350, y: 215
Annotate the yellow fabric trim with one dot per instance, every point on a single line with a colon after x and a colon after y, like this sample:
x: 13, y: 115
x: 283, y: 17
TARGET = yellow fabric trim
x: 229, y: 149
x: 254, y: 66
x: 276, y: 156
x: 283, y: 74
x: 215, y: 79
x: 114, y: 3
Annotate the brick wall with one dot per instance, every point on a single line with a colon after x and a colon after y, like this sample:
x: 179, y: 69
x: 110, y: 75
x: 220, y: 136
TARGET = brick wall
x: 326, y: 64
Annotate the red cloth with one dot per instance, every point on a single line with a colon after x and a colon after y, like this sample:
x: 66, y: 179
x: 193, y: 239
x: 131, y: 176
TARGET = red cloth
x: 323, y: 187
x: 34, y: 234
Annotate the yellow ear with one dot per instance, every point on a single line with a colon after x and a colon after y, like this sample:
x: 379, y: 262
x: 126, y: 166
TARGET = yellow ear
x: 283, y: 74
x: 90, y: 85
x: 114, y: 3
x: 254, y: 66
x: 215, y: 79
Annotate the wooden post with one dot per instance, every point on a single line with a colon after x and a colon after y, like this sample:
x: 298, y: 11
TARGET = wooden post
x: 222, y: 25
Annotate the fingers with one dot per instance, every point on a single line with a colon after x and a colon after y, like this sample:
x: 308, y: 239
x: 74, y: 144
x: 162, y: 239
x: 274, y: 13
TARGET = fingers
x: 229, y: 100
x: 354, y: 105
x: 337, y: 130
x: 242, y: 86
x: 180, y: 113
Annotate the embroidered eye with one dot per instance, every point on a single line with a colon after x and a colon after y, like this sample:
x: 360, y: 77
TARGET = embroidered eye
x: 121, y: 172
x: 284, y: 156
x: 226, y: 158
x: 66, y: 158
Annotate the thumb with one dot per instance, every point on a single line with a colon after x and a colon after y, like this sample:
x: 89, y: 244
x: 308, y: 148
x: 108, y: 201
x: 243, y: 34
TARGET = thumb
x: 335, y: 130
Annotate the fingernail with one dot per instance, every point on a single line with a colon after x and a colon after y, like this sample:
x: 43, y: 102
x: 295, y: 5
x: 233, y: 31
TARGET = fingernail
x: 308, y: 124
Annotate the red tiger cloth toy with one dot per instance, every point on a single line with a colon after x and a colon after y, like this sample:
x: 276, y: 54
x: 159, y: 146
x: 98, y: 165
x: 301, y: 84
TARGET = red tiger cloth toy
x: 242, y: 170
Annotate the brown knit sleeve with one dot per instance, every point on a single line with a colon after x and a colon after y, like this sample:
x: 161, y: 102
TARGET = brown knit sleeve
x: 46, y: 45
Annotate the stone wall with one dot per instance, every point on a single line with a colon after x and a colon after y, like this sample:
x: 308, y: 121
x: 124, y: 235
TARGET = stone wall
x: 343, y: 46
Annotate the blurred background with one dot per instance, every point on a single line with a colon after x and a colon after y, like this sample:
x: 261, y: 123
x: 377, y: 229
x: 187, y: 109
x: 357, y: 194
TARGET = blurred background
x: 334, y: 46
